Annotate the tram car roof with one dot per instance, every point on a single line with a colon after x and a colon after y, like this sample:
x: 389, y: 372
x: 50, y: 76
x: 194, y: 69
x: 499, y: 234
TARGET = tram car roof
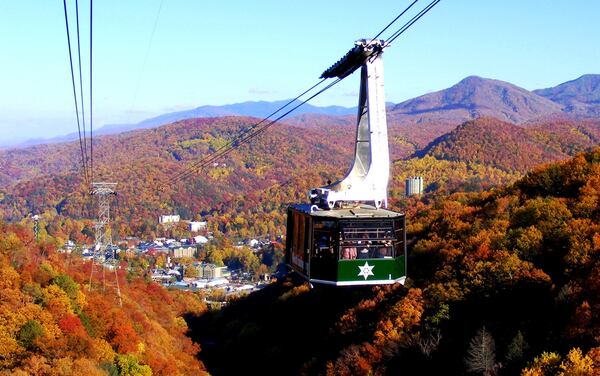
x: 353, y: 212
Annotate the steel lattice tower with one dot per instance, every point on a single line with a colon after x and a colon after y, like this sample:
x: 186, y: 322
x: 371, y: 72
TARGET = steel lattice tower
x: 103, y: 192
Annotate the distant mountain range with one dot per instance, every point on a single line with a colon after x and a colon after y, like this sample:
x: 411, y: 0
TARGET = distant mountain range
x: 260, y: 109
x: 469, y: 99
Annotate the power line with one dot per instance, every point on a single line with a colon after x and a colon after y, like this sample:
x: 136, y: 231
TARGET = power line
x: 91, y: 91
x: 85, y: 150
x: 83, y: 159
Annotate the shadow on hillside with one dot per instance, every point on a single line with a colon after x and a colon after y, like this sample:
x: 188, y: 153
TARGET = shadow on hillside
x: 274, y: 331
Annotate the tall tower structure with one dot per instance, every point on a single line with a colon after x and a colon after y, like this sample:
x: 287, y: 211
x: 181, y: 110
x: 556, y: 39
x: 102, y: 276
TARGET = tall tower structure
x: 103, y: 192
x: 36, y: 227
x: 414, y: 186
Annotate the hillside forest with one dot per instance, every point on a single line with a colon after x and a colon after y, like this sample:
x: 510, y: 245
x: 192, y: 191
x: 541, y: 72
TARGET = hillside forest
x: 57, y: 318
x: 260, y: 178
x: 503, y: 266
x: 502, y: 281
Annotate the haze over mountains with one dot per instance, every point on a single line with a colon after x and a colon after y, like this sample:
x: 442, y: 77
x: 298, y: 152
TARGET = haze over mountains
x: 470, y: 98
x: 258, y: 109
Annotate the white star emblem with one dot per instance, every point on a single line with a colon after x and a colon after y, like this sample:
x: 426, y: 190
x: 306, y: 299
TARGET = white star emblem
x: 366, y: 270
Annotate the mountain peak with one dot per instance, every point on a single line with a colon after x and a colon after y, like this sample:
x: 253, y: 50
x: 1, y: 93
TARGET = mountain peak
x: 476, y: 96
x: 473, y: 80
x: 589, y: 76
x: 585, y: 83
x: 580, y: 96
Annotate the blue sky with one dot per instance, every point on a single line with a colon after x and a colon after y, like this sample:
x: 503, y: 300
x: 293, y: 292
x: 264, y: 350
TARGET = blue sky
x: 221, y: 52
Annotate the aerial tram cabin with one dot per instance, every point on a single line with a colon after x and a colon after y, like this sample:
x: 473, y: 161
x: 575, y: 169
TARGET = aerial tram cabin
x: 361, y: 245
x: 337, y: 239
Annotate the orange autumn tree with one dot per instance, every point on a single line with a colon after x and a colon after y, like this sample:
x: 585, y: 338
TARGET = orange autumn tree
x: 51, y: 322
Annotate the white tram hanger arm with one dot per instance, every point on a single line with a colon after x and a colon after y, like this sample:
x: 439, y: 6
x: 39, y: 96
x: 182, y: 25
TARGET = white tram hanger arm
x: 367, y: 179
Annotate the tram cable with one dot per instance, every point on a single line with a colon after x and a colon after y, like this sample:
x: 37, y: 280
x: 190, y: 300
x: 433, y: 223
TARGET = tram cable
x: 244, y: 137
x: 145, y: 61
x: 91, y: 97
x: 234, y: 144
x: 245, y: 131
x: 394, y: 20
x: 407, y: 25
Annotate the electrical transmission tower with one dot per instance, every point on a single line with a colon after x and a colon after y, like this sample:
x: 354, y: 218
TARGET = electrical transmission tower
x: 103, y: 192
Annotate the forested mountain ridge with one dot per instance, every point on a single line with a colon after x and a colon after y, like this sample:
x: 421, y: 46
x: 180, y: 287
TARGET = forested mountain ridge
x: 502, y: 282
x: 492, y: 142
x: 178, y: 142
x: 260, y: 178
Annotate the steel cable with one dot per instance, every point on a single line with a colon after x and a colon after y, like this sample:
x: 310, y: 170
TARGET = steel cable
x: 85, y: 149
x: 256, y: 129
x: 83, y: 159
x: 247, y: 130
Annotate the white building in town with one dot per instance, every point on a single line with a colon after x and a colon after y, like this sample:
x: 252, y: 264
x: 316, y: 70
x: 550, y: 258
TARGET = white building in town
x: 414, y: 186
x: 163, y: 219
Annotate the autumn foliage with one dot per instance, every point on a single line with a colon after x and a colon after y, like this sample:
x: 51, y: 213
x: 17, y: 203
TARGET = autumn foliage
x: 245, y: 193
x: 492, y: 245
x: 501, y: 282
x: 52, y: 323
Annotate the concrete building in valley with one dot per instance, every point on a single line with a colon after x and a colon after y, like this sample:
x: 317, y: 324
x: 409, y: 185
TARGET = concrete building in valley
x: 195, y: 226
x: 178, y: 252
x: 414, y: 186
x: 164, y: 219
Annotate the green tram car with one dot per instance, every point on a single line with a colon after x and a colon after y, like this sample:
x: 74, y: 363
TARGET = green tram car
x: 354, y: 246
